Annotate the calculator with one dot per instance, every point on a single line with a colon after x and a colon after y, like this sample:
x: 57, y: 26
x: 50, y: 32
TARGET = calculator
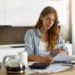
x: 39, y: 65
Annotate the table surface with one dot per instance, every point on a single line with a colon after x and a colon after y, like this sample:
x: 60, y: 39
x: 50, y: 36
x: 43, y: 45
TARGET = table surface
x: 66, y: 72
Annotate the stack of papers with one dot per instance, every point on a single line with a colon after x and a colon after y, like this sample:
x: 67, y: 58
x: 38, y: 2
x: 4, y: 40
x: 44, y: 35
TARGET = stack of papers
x: 52, y: 67
x: 62, y: 57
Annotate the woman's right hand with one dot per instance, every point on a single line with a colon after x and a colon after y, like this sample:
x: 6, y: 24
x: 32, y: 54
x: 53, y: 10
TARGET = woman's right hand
x: 46, y: 59
x: 50, y: 59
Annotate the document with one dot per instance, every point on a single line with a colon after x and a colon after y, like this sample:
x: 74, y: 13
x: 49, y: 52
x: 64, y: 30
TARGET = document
x: 62, y: 57
x: 53, y: 68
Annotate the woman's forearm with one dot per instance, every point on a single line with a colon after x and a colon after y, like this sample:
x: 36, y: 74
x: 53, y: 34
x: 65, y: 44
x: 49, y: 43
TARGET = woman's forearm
x: 32, y: 57
x: 42, y: 59
x: 64, y: 52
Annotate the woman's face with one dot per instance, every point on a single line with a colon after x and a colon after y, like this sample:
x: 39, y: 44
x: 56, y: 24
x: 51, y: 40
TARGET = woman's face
x: 48, y: 21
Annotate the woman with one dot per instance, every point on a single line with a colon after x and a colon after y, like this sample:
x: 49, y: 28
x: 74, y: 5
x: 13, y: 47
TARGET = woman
x: 40, y: 41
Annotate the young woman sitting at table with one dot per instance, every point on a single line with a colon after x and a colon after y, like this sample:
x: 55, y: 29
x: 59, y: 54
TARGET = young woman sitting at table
x: 41, y: 40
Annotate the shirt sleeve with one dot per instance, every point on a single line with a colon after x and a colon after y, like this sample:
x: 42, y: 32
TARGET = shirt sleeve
x: 29, y: 42
x: 61, y: 41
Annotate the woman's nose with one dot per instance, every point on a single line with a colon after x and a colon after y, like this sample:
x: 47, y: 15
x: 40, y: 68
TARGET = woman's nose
x: 49, y: 21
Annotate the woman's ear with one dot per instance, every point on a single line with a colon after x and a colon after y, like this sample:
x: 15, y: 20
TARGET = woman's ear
x: 41, y: 17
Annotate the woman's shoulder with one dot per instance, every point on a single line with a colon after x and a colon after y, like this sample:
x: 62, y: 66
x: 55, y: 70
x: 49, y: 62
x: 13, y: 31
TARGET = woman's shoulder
x: 31, y: 31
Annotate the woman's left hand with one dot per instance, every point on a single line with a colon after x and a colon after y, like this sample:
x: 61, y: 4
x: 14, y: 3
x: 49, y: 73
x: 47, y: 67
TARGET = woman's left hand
x: 56, y: 51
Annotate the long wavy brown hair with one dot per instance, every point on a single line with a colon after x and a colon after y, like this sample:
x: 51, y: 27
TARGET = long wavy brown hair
x: 53, y: 32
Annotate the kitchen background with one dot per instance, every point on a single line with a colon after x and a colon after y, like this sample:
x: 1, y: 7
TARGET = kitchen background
x: 16, y: 15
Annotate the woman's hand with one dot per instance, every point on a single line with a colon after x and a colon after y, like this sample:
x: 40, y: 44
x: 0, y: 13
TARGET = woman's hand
x: 46, y: 59
x: 42, y: 59
x: 50, y: 59
x: 56, y: 51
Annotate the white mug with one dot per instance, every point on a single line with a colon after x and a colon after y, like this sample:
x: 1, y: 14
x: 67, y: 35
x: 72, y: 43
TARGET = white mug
x: 24, y: 57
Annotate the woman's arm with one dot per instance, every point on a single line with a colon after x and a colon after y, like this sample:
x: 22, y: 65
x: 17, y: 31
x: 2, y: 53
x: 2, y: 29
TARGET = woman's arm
x: 63, y: 49
x: 57, y: 51
x: 29, y: 47
x: 42, y: 59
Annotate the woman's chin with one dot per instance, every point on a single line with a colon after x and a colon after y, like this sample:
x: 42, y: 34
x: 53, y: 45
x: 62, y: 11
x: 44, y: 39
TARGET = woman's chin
x: 48, y: 28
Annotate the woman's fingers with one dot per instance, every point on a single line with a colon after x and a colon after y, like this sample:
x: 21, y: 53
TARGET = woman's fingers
x: 56, y: 51
x: 47, y: 59
x: 50, y: 59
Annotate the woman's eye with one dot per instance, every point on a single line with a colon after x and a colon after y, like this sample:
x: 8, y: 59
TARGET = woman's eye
x: 47, y: 19
x: 50, y: 19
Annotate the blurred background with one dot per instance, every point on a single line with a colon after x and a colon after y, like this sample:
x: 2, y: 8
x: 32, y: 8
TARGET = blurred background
x: 16, y: 15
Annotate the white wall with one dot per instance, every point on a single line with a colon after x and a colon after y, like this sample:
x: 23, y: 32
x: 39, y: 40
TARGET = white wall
x: 73, y: 25
x: 19, y: 12
x: 26, y: 12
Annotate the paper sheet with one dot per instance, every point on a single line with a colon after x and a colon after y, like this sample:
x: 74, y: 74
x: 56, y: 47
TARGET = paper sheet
x: 62, y: 57
x: 53, y: 67
x: 58, y: 46
x: 50, y: 69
